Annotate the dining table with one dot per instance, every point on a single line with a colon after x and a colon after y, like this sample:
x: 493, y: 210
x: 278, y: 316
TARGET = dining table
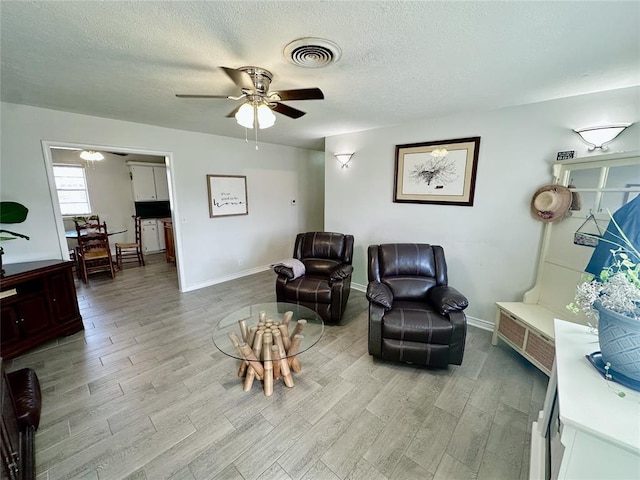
x: 73, y: 234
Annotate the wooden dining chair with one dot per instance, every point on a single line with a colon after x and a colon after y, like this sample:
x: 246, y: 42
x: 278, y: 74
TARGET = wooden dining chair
x: 85, y: 222
x: 93, y: 253
x: 129, y: 252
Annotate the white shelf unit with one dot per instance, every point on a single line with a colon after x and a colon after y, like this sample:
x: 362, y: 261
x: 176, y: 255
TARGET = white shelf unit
x: 603, y: 182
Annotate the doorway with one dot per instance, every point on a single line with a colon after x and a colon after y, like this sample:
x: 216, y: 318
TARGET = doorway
x: 110, y: 191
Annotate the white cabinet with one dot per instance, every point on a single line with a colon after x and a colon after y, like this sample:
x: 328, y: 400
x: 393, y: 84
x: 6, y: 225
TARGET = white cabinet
x: 528, y: 329
x: 160, y: 180
x: 594, y: 434
x: 149, y: 182
x: 151, y: 236
x: 160, y: 230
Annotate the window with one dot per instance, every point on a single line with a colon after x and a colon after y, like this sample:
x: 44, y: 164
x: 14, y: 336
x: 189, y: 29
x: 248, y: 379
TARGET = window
x: 71, y: 185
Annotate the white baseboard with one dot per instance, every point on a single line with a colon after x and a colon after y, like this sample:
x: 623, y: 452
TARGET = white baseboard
x: 226, y: 278
x: 480, y: 323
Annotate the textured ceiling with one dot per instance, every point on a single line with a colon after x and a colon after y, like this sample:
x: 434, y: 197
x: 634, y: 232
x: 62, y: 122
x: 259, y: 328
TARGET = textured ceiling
x: 400, y: 60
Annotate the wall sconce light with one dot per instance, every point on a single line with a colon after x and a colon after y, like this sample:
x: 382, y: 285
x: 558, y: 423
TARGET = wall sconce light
x: 343, y: 159
x: 600, y: 137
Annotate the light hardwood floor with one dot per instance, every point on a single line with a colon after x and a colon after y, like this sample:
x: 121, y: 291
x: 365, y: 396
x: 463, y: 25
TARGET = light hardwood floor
x: 143, y: 393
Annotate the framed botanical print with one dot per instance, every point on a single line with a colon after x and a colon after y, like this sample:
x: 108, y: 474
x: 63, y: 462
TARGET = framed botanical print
x: 442, y: 172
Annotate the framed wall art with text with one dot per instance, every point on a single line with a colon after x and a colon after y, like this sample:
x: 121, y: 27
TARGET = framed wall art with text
x: 227, y: 195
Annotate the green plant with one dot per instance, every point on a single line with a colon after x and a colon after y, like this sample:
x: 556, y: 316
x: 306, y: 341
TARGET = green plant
x: 12, y: 212
x: 617, y: 287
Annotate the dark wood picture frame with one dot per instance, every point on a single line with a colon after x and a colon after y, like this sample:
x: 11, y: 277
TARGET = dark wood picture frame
x: 424, y: 175
x: 227, y: 195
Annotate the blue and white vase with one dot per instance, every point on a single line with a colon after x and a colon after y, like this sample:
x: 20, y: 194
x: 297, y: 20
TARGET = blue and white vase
x: 619, y: 337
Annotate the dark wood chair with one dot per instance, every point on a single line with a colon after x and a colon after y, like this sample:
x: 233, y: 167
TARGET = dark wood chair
x: 85, y: 222
x: 93, y: 253
x: 129, y: 252
x: 82, y: 223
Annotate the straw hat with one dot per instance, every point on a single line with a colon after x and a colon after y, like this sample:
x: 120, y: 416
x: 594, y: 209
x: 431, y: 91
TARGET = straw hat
x: 551, y: 203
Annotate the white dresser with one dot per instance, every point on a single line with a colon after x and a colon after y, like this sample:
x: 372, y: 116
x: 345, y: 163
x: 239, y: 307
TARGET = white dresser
x: 599, y: 431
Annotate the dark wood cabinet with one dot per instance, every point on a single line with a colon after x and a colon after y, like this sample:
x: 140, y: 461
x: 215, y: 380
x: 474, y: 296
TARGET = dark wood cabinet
x: 9, y: 327
x: 39, y: 303
x: 170, y: 249
x: 64, y: 302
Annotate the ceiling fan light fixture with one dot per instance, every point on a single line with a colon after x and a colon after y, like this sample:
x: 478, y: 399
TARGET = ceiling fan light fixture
x: 244, y: 115
x: 266, y: 118
x: 91, y: 155
x: 248, y: 113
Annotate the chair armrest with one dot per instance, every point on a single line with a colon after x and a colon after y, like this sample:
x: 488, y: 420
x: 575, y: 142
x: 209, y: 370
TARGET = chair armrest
x: 27, y: 397
x: 447, y: 299
x: 380, y: 294
x: 341, y: 272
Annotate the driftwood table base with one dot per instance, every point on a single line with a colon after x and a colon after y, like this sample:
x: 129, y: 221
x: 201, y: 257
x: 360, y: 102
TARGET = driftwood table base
x: 268, y: 351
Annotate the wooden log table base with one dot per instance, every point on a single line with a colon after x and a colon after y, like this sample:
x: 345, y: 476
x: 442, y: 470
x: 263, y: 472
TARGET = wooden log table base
x: 269, y: 351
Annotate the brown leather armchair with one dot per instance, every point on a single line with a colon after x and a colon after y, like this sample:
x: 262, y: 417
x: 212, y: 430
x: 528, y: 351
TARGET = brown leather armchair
x: 326, y: 283
x: 414, y: 316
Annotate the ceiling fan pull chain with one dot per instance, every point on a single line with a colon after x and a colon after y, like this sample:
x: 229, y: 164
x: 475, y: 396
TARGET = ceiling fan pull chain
x: 255, y: 123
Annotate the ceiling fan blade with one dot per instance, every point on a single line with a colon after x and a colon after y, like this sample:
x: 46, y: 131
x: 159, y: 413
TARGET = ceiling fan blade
x: 233, y: 112
x: 300, y: 94
x: 287, y: 110
x: 182, y: 95
x: 240, y: 78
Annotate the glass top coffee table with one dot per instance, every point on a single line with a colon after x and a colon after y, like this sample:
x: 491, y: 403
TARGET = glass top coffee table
x: 267, y: 338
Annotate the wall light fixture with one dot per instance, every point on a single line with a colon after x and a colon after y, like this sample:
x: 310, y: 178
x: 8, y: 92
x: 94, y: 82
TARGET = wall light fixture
x: 600, y: 137
x: 343, y: 159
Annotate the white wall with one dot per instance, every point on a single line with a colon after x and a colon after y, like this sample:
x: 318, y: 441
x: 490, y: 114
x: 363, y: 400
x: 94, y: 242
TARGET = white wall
x: 209, y: 250
x: 492, y: 247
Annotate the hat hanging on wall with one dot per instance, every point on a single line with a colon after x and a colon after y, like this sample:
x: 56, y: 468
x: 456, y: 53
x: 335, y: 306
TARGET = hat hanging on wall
x: 576, y: 199
x: 551, y: 203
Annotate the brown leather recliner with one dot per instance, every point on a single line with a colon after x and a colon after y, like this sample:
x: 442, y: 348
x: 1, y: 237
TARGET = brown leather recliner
x: 326, y: 283
x: 21, y: 401
x: 414, y: 316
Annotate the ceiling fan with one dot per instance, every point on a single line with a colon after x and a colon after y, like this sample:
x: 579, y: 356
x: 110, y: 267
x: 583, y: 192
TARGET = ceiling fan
x: 259, y: 102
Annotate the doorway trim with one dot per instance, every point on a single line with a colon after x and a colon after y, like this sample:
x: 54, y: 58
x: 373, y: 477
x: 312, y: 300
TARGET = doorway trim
x: 168, y: 160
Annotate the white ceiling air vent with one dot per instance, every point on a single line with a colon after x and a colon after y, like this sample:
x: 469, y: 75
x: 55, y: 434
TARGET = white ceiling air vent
x: 312, y: 52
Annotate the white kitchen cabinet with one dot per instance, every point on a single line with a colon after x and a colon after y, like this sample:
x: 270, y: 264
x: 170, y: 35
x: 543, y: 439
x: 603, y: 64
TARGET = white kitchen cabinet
x: 149, y: 182
x: 160, y: 230
x: 162, y: 185
x: 150, y: 236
